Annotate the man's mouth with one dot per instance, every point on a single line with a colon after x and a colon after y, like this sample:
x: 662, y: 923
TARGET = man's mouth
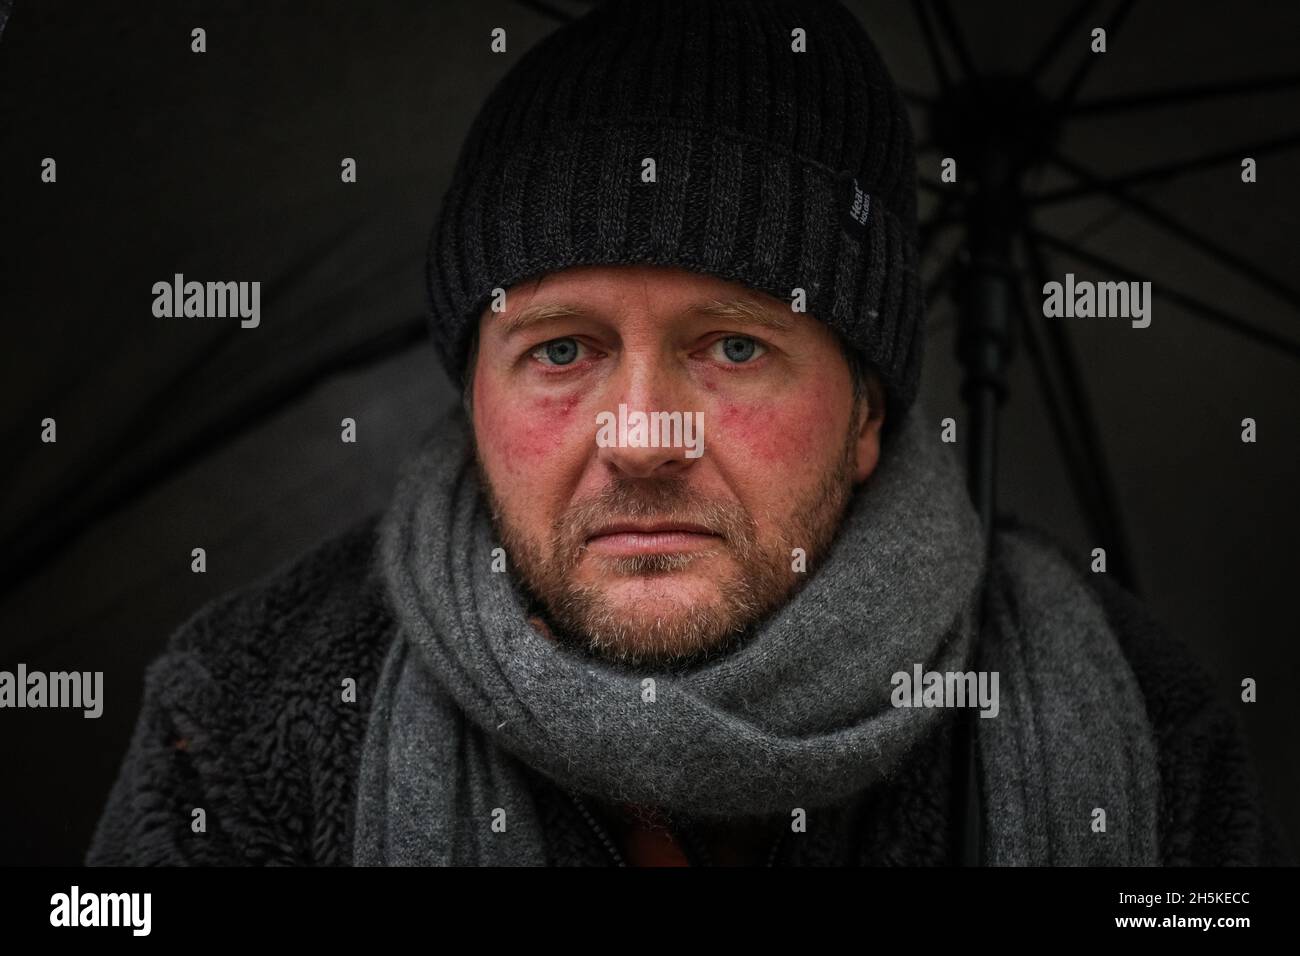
x: 626, y: 538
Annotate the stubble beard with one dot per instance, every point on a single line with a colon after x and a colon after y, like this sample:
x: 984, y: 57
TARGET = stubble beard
x: 586, y: 618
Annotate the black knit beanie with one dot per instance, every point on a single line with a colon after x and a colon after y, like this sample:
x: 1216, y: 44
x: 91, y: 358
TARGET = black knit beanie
x: 777, y: 169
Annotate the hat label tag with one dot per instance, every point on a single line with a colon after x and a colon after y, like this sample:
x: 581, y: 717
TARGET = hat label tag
x: 856, y: 206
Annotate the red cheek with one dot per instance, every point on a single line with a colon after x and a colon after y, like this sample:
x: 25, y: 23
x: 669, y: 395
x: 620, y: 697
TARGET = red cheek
x: 753, y: 427
x: 556, y: 409
x: 522, y: 443
x: 529, y: 430
x: 774, y: 431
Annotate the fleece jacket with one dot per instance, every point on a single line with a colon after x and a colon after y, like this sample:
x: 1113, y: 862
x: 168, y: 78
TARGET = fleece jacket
x: 246, y: 715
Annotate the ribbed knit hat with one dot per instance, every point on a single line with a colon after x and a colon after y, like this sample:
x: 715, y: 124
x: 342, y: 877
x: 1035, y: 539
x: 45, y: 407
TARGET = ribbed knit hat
x: 774, y: 168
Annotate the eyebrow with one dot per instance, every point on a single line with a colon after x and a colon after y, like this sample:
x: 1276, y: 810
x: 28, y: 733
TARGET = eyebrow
x: 743, y: 312
x: 739, y: 311
x: 537, y: 314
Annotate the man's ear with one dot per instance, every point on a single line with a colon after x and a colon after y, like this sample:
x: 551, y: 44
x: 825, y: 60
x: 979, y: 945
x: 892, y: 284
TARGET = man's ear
x: 867, y: 451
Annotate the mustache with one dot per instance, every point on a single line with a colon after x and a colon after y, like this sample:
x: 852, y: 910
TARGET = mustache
x: 660, y: 499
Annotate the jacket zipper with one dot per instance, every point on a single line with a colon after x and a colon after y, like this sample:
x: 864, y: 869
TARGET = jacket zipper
x: 605, y: 841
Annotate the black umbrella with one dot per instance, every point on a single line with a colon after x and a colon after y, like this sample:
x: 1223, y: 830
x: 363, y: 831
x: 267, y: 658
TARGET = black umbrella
x: 1115, y: 165
x: 1006, y: 128
x: 1003, y: 130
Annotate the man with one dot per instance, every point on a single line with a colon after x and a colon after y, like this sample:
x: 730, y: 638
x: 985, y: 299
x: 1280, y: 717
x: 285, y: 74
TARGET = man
x: 690, y: 578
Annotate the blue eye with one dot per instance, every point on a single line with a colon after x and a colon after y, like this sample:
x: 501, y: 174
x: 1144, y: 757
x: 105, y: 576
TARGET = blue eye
x: 739, y: 348
x: 557, y: 352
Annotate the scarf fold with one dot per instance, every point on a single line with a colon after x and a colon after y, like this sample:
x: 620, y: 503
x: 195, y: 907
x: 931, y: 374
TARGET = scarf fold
x: 799, y: 716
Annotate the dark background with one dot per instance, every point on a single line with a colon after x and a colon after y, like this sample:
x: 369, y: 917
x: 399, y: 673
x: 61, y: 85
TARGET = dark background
x: 176, y: 433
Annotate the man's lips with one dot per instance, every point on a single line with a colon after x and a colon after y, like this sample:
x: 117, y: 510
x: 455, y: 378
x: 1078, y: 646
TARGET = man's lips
x: 667, y: 537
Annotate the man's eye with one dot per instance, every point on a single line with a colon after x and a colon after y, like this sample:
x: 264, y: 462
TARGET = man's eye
x: 557, y: 352
x: 738, y: 349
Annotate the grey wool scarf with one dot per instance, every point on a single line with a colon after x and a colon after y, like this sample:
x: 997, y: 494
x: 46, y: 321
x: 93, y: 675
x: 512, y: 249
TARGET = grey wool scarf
x: 802, y: 715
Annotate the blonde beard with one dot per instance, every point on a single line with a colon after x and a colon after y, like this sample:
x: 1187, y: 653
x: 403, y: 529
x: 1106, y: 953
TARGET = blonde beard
x: 586, y: 618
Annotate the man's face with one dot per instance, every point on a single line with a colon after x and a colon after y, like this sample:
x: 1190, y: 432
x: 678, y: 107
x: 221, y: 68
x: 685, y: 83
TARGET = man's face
x: 649, y: 554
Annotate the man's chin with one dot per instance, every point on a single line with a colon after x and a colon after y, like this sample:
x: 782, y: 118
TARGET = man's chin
x: 658, y: 592
x: 671, y: 617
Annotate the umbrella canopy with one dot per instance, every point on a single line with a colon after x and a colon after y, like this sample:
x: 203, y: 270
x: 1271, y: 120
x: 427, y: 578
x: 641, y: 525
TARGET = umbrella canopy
x: 226, y: 165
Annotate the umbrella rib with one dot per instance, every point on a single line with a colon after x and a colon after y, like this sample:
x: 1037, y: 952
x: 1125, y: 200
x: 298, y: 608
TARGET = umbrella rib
x: 28, y: 552
x: 1066, y: 100
x: 1168, y: 171
x: 932, y: 45
x: 1192, y: 304
x: 1263, y: 84
x: 1053, y: 45
x: 1182, y: 231
x: 546, y: 10
x: 143, y: 421
x: 1105, y: 497
x: 1067, y: 442
x: 948, y: 22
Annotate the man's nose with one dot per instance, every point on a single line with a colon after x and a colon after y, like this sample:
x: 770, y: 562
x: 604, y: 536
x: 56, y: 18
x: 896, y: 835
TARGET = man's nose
x: 645, y: 386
